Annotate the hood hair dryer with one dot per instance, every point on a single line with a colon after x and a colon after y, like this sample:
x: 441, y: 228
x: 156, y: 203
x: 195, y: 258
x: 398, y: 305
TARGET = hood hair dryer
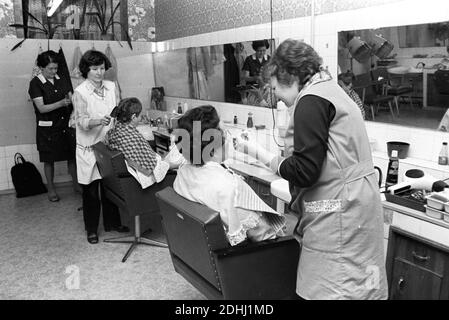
x: 417, y: 179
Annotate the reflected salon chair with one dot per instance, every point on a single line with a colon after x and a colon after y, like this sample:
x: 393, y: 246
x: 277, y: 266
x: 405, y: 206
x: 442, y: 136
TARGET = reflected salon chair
x: 124, y: 191
x: 366, y: 88
x: 201, y: 253
x: 393, y: 86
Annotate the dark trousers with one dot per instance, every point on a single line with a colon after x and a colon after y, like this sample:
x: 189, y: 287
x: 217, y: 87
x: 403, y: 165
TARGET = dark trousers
x: 93, y: 201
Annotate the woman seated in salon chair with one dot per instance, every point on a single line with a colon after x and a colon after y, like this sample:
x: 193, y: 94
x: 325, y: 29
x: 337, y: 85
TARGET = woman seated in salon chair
x: 204, y: 179
x: 139, y: 155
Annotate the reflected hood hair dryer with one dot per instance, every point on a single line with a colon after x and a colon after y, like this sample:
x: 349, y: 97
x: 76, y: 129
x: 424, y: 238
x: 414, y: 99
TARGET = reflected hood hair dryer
x: 417, y: 179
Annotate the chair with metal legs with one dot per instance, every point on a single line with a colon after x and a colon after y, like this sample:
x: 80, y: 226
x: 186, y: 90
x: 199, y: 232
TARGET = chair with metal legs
x: 124, y: 191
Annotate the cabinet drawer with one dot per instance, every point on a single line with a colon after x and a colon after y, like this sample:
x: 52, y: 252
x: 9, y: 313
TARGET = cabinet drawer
x: 421, y: 254
x: 412, y: 282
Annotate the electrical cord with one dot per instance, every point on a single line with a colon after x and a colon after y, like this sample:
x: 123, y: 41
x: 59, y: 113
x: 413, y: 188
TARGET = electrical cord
x: 271, y: 90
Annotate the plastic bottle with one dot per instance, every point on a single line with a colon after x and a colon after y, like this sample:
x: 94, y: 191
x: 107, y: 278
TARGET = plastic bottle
x: 186, y: 107
x: 443, y: 156
x: 249, y: 123
x: 235, y: 120
x: 393, y: 169
x: 282, y: 119
x: 179, y: 108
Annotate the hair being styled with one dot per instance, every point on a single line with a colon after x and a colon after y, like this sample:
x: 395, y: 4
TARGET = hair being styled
x: 126, y: 108
x: 46, y: 57
x: 207, y: 117
x: 93, y: 58
x: 260, y: 43
x: 294, y: 60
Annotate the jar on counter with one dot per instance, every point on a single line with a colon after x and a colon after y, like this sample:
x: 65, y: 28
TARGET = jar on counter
x: 443, y: 156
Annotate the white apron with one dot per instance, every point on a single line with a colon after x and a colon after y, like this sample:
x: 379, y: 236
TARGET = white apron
x: 97, y: 107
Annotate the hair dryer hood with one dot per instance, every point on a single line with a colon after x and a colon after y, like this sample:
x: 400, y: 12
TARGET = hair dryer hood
x: 417, y: 179
x: 359, y: 49
x: 381, y: 47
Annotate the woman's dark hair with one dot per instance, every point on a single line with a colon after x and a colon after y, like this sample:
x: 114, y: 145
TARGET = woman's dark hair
x: 126, y: 108
x: 260, y: 43
x: 47, y: 57
x: 294, y: 60
x: 208, y: 118
x: 93, y: 58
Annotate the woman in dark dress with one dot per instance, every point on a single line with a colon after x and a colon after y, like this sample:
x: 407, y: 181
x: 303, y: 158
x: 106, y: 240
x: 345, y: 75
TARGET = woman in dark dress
x: 52, y: 104
x: 254, y: 63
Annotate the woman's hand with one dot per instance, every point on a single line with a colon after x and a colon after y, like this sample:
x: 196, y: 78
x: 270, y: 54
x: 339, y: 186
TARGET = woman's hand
x: 65, y: 102
x: 105, y: 121
x: 253, y: 149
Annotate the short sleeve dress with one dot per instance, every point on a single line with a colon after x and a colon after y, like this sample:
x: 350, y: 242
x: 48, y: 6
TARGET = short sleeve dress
x: 52, y: 138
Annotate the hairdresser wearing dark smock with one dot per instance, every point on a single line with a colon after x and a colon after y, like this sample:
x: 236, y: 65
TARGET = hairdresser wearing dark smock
x: 332, y: 182
x: 53, y: 106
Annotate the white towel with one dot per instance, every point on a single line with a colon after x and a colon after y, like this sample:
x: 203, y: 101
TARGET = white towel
x: 156, y: 176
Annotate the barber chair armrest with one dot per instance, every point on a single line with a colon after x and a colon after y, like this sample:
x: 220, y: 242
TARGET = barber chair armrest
x: 263, y: 270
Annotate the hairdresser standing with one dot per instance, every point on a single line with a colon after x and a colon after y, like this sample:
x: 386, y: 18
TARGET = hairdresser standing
x: 94, y: 100
x: 332, y: 181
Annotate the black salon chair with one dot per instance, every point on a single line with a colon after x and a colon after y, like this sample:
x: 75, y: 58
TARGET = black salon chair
x: 124, y: 191
x: 201, y: 253
x: 393, y: 86
x: 367, y: 89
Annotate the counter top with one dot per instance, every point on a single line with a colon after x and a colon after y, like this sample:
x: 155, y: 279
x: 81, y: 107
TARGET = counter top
x: 414, y: 213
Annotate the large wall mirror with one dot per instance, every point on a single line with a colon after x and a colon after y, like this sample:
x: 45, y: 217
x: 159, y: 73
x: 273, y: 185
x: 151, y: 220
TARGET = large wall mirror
x: 401, y: 73
x: 232, y: 72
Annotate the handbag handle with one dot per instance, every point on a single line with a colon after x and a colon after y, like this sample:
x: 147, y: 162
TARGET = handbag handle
x: 18, y: 156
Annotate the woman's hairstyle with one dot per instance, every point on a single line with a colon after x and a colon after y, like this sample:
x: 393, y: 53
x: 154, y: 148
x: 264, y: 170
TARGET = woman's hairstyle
x: 260, y: 43
x: 208, y: 118
x: 47, y: 57
x: 294, y: 60
x: 126, y: 108
x: 93, y: 58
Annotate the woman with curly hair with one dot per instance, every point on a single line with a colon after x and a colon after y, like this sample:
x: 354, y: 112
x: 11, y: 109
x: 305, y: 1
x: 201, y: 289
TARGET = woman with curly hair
x: 332, y: 181
x: 94, y: 100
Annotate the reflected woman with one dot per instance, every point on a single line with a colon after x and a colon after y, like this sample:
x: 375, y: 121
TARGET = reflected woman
x: 254, y: 63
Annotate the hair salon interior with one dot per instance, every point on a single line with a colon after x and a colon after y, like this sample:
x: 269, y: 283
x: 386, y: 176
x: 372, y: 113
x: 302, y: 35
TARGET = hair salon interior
x: 175, y: 55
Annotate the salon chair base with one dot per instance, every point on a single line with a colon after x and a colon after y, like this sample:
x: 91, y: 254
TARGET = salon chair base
x: 136, y: 239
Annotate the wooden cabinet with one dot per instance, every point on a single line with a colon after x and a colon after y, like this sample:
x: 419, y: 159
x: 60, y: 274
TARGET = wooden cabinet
x: 417, y: 268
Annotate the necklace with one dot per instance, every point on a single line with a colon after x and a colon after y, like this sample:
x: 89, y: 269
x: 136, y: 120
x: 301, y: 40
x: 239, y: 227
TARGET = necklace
x: 99, y: 92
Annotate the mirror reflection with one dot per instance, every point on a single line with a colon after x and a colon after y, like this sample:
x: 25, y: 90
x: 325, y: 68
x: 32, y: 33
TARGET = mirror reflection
x: 231, y: 72
x: 398, y: 74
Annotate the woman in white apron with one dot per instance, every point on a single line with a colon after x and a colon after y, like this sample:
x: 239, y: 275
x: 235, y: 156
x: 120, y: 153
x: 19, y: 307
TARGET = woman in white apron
x: 331, y: 176
x: 94, y: 100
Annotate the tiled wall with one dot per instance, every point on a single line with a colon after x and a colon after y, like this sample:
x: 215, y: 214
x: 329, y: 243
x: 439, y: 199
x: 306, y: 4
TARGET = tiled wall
x: 17, y: 119
x: 30, y: 154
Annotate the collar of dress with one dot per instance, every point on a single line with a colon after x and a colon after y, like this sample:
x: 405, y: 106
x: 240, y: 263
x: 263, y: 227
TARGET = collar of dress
x: 91, y: 87
x: 265, y: 57
x: 43, y: 79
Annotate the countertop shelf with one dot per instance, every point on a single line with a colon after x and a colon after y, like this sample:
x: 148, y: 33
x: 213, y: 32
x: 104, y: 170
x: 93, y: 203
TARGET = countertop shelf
x: 414, y: 213
x: 414, y: 162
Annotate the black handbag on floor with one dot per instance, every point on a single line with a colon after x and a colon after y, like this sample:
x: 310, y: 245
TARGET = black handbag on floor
x: 26, y: 178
